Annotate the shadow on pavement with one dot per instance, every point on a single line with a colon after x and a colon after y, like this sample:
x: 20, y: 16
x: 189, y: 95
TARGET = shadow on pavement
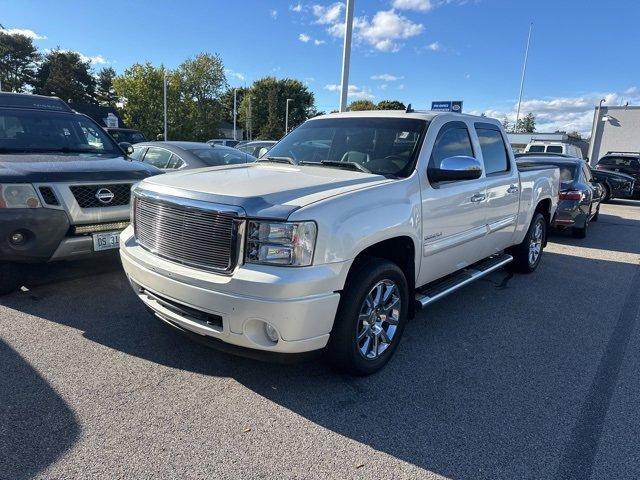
x: 36, y: 425
x: 509, y: 378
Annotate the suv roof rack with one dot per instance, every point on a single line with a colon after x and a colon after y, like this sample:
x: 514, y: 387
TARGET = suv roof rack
x: 33, y: 102
x: 615, y: 152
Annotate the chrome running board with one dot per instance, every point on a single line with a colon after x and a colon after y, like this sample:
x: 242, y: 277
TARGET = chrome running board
x: 443, y: 287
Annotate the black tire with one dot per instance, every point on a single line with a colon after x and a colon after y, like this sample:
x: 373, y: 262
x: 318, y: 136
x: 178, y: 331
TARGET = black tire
x: 9, y: 280
x: 521, y: 258
x: 597, y: 215
x: 607, y: 193
x: 343, y: 349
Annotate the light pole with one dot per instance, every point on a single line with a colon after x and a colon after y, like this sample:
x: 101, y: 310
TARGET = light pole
x: 235, y: 111
x: 286, y: 119
x: 165, y: 107
x: 346, y: 55
x: 524, y: 71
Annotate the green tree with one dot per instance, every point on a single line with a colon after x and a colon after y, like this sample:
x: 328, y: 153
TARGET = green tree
x: 65, y: 75
x: 226, y: 103
x: 358, y: 105
x: 263, y: 107
x: 18, y: 58
x: 527, y: 124
x: 105, y: 94
x: 140, y: 88
x: 391, y: 105
x: 202, y: 81
x: 506, y: 124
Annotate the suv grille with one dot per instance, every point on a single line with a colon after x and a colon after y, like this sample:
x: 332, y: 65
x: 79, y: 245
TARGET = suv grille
x: 87, y: 195
x: 188, y: 235
x: 48, y: 196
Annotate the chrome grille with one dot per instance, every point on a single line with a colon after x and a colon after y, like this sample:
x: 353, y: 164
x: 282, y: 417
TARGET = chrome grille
x: 187, y: 234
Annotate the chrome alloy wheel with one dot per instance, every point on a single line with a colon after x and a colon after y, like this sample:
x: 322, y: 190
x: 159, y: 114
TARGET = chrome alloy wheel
x: 378, y: 320
x: 535, y: 244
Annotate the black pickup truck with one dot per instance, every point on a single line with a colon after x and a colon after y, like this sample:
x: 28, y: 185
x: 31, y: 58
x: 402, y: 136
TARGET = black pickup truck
x: 64, y: 185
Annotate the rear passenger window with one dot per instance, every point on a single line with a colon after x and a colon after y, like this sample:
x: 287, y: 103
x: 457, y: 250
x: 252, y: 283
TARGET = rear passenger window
x: 158, y: 157
x: 137, y: 153
x: 175, y: 162
x: 494, y: 151
x: 554, y: 149
x: 451, y: 142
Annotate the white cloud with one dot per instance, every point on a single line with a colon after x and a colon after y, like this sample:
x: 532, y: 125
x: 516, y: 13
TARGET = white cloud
x: 434, y: 46
x: 274, y: 14
x: 296, y: 8
x: 566, y: 113
x: 401, y: 86
x: 382, y: 32
x: 353, y: 91
x: 304, y: 38
x: 417, y: 5
x: 385, y: 77
x: 318, y: 42
x: 234, y: 74
x: 383, y: 86
x: 93, y: 60
x: 328, y: 15
x: 23, y: 31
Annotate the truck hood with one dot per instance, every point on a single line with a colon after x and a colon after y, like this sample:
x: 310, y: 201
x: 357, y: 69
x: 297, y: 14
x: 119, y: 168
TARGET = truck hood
x: 69, y: 167
x: 262, y: 189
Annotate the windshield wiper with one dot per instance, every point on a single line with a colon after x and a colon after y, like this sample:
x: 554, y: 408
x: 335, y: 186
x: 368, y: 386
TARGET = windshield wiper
x: 355, y: 166
x: 288, y: 160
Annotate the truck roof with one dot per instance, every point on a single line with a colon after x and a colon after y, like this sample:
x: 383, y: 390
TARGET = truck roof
x: 427, y: 115
x: 33, y: 102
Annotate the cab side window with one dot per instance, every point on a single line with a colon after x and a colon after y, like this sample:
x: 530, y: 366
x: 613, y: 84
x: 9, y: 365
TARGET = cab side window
x: 494, y: 150
x: 453, y: 140
x: 158, y: 157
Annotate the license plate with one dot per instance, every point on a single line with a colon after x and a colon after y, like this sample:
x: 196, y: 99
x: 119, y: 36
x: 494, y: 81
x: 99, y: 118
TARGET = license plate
x: 106, y: 241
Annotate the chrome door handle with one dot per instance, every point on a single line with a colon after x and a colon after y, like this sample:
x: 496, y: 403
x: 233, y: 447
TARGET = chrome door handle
x: 513, y: 189
x: 478, y: 197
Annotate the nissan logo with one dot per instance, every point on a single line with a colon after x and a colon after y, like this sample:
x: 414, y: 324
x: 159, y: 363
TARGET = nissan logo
x: 104, y: 195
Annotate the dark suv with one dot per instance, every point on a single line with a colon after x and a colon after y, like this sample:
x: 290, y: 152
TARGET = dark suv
x: 623, y: 162
x: 64, y: 184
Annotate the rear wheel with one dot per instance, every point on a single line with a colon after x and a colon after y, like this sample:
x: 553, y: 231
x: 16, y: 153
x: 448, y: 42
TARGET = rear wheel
x: 9, y: 280
x: 370, y: 319
x: 580, y: 232
x: 597, y: 215
x: 606, y: 195
x: 527, y: 255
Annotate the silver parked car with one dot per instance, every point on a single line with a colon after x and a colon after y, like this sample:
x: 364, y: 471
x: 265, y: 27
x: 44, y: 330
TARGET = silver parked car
x: 171, y: 156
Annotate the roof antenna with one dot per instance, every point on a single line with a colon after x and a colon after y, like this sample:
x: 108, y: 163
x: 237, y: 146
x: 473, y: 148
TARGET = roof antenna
x: 409, y: 109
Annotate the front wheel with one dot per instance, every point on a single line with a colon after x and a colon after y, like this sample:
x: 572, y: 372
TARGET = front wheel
x: 606, y: 196
x: 371, y: 318
x: 527, y: 255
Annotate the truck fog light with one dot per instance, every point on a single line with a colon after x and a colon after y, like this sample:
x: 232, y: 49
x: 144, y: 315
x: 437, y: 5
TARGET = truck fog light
x: 17, y: 238
x: 271, y: 332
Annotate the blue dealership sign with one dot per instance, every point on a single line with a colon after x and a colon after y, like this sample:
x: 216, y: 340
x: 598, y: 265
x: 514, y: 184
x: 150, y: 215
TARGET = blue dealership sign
x: 447, y: 106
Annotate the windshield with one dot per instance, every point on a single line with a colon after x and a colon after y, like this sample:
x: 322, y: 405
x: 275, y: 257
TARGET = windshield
x: 217, y: 156
x: 130, y: 136
x: 40, y: 131
x: 384, y: 146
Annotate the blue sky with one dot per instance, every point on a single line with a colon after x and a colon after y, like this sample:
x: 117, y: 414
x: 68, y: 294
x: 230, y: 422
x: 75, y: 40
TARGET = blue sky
x: 411, y: 50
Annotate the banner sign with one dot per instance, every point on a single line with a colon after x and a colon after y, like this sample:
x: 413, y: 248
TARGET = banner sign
x: 447, y: 106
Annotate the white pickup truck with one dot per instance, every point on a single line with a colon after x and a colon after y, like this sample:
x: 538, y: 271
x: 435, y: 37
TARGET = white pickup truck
x: 351, y: 224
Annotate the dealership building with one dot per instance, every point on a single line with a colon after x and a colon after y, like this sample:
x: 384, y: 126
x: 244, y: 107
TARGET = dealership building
x: 615, y: 129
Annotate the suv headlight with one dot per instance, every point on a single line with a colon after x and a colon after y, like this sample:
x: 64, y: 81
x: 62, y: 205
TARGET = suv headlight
x: 281, y: 243
x: 18, y: 195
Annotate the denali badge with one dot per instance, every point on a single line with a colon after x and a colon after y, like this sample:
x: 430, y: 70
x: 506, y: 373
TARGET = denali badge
x: 104, y: 195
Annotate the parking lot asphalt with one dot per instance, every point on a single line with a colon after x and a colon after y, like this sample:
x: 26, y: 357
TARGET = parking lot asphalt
x: 525, y: 376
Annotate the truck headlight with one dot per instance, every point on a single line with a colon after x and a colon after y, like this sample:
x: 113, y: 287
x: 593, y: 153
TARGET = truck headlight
x: 281, y: 243
x: 18, y: 195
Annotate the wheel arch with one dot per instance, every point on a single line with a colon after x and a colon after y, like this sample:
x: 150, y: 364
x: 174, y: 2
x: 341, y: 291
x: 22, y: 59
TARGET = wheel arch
x: 400, y: 250
x: 544, y: 207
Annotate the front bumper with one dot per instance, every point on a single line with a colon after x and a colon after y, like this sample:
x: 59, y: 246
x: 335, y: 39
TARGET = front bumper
x: 49, y: 236
x: 300, y: 303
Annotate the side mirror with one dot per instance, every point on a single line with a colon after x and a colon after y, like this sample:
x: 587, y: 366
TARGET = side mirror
x: 262, y: 151
x: 456, y: 168
x: 126, y: 147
